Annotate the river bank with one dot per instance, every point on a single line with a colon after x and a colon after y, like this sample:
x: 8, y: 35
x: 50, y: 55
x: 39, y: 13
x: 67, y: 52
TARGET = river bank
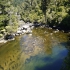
x: 27, y: 29
x: 24, y: 29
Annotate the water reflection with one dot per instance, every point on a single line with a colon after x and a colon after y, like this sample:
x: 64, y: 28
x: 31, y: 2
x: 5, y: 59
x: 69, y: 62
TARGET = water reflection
x: 66, y: 64
x: 43, y: 50
x: 52, y: 48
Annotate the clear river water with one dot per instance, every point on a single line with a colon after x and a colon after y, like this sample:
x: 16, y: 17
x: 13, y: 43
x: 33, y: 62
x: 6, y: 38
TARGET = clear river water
x: 42, y: 50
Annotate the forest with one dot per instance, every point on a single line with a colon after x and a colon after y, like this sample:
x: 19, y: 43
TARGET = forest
x: 55, y: 13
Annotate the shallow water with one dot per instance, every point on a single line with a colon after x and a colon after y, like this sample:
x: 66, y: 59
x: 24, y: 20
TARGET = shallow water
x: 42, y: 50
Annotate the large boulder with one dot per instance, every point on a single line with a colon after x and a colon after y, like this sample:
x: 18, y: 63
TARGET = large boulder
x: 7, y: 37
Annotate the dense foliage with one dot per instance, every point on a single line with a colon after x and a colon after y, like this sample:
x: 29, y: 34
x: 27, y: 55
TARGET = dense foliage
x: 8, y: 17
x: 53, y: 12
x: 57, y: 12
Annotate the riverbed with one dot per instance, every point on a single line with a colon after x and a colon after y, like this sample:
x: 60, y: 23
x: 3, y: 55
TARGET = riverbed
x: 44, y: 49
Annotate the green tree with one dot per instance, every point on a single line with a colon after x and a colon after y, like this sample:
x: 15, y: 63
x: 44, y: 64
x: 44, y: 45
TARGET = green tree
x: 8, y: 16
x: 44, y: 6
x: 3, y: 13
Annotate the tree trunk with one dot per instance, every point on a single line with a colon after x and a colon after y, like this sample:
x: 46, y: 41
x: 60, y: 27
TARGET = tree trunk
x: 31, y: 2
x: 45, y: 17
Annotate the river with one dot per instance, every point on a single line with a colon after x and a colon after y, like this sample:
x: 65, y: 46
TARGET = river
x: 42, y: 50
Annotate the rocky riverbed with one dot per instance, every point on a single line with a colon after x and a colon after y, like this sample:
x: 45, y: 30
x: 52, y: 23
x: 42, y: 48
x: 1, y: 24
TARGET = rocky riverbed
x: 24, y: 29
